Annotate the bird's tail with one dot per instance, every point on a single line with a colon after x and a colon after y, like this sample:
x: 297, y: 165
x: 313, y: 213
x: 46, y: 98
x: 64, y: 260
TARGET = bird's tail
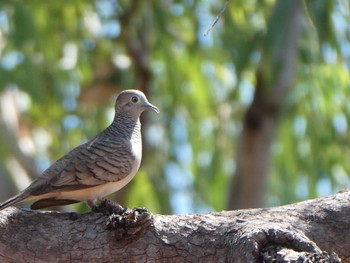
x: 21, y: 197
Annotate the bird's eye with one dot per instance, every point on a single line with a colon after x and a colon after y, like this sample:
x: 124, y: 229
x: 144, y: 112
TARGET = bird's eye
x: 135, y: 99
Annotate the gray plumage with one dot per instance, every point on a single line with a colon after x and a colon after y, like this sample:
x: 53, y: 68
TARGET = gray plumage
x: 97, y: 168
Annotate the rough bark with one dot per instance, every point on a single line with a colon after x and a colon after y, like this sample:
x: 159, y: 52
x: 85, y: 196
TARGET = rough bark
x: 313, y: 230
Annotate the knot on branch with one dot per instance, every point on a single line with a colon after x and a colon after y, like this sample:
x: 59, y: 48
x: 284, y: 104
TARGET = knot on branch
x: 130, y: 223
x: 287, y: 245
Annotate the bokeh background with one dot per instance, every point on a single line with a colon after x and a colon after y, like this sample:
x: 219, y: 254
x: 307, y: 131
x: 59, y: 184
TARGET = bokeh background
x: 254, y: 112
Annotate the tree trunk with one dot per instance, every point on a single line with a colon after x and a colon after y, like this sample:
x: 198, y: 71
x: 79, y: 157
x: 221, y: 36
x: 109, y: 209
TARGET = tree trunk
x: 313, y: 230
x: 273, y: 79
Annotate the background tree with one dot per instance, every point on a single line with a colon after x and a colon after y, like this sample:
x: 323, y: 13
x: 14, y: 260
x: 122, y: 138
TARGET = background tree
x: 60, y: 64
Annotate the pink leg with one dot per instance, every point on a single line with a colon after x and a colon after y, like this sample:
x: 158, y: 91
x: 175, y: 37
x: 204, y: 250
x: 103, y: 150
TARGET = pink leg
x: 91, y: 204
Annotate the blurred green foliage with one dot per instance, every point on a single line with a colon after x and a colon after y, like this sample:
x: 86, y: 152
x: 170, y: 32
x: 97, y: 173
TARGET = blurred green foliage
x: 62, y: 60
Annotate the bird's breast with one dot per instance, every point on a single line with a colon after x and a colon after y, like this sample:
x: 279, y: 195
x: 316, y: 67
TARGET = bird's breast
x: 136, y: 149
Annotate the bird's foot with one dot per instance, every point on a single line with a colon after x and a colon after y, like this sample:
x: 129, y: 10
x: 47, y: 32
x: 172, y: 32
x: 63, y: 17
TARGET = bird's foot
x: 129, y: 223
x: 106, y: 206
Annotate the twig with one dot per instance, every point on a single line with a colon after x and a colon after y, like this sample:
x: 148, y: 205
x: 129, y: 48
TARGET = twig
x: 217, y: 18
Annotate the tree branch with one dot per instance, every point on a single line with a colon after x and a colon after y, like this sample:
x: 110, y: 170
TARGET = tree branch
x: 311, y: 230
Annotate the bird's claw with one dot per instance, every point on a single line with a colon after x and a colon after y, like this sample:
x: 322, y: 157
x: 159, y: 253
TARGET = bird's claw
x: 108, y: 207
x: 127, y: 223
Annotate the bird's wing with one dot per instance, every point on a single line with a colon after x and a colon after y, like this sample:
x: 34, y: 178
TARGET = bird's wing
x: 86, y: 166
x: 112, y: 160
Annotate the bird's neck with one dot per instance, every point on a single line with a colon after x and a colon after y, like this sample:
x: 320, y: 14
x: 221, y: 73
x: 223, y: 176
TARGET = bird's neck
x: 125, y: 126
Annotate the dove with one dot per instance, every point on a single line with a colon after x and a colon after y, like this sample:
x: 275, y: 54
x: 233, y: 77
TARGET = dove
x: 96, y: 168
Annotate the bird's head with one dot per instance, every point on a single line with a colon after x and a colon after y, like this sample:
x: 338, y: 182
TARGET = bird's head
x: 133, y: 103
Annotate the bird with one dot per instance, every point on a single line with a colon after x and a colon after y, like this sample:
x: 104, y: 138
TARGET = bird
x: 96, y: 168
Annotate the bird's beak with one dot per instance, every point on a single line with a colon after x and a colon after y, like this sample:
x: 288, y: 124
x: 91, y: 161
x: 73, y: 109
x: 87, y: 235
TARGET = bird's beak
x: 149, y: 106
